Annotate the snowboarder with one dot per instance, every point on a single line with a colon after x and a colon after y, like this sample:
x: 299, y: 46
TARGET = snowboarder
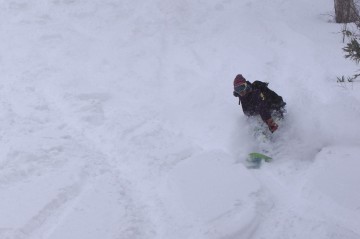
x: 257, y: 99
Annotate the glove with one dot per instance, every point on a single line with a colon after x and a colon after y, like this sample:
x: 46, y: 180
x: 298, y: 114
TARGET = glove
x: 235, y: 94
x: 272, y: 125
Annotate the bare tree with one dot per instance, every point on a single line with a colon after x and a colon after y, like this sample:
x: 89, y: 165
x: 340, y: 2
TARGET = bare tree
x: 345, y: 11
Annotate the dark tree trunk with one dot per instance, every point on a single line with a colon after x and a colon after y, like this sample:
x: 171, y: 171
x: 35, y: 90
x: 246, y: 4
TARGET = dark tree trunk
x: 345, y: 11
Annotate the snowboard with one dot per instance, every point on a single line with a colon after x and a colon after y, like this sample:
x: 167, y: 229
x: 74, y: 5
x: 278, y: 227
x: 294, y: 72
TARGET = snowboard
x: 254, y: 160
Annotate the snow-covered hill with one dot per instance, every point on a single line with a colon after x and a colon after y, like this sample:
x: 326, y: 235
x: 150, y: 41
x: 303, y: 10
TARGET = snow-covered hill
x: 117, y: 120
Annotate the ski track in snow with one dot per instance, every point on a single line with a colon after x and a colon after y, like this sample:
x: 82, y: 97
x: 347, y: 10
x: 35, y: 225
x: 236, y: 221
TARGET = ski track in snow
x: 117, y: 121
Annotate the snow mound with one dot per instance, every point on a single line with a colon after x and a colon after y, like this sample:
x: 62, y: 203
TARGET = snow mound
x: 211, y: 189
x: 333, y: 185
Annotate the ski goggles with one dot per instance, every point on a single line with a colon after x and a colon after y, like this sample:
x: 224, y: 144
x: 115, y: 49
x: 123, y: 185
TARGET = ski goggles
x: 241, y: 88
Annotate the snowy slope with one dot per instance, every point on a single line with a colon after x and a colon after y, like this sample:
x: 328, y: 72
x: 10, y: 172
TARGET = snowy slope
x: 118, y: 121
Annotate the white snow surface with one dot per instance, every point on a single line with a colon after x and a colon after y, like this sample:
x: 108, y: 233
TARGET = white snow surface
x: 117, y: 121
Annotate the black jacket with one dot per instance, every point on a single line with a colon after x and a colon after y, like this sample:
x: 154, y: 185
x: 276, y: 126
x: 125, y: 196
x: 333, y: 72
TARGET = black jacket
x: 261, y: 102
x: 254, y: 103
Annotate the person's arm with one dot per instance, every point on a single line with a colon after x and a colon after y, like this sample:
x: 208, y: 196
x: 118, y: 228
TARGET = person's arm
x: 265, y: 113
x: 272, y: 125
x: 262, y: 106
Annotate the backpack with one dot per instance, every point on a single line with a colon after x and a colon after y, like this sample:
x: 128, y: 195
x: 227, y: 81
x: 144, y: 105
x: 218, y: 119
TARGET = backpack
x: 275, y: 101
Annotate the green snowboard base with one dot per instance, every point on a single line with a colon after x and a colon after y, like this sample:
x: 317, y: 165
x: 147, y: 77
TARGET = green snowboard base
x: 254, y: 160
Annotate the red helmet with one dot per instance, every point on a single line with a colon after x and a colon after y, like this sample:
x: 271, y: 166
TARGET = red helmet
x: 239, y: 80
x: 240, y: 85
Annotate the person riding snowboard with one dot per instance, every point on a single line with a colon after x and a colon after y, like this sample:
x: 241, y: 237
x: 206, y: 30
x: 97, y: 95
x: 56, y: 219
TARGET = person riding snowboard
x: 257, y: 99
